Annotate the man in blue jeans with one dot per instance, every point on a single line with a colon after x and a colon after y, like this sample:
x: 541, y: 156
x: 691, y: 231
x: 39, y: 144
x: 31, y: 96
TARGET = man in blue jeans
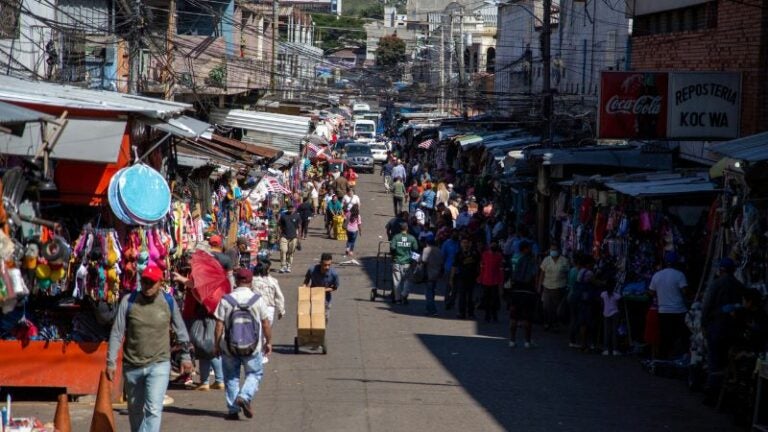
x: 143, y: 321
x: 240, y: 397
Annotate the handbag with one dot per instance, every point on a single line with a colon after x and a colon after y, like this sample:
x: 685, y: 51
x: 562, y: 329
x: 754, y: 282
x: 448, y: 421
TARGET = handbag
x: 202, y: 336
x: 419, y: 274
x: 345, y: 224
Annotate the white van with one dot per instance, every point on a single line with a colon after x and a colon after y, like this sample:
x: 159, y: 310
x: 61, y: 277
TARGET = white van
x: 364, y: 130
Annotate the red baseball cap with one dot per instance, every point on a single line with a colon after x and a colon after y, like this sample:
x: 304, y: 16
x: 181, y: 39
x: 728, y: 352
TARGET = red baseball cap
x: 243, y: 275
x: 152, y: 273
x: 215, y: 240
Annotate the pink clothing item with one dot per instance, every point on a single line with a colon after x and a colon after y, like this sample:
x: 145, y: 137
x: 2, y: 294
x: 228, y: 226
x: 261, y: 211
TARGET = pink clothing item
x: 610, y: 303
x: 354, y: 225
x: 491, y: 268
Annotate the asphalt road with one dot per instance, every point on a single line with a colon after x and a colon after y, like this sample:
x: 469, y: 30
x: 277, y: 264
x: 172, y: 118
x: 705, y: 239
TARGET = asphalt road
x: 390, y: 368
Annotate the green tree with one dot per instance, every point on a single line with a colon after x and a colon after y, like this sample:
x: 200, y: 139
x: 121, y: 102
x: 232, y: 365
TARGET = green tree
x: 391, y: 51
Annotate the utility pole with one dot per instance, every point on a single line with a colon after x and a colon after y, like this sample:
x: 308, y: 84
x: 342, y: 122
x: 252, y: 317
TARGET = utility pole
x: 542, y: 184
x: 441, y: 106
x: 546, y: 58
x: 134, y: 49
x: 462, y: 66
x: 170, y: 79
x: 450, y: 61
x: 275, y: 35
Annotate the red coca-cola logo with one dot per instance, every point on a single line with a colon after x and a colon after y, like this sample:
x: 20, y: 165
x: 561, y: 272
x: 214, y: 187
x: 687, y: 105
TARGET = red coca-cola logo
x: 643, y: 105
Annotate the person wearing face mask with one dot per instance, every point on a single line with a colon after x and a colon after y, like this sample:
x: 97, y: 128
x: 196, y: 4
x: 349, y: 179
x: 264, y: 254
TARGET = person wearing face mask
x: 553, y: 278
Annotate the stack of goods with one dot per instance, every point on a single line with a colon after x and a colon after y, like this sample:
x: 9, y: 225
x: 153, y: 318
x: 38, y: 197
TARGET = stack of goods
x: 311, y: 316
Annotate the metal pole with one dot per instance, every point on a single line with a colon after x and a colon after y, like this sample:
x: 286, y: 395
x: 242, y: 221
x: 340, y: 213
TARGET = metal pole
x: 462, y: 66
x: 134, y: 50
x: 450, y: 61
x: 546, y: 58
x: 275, y: 35
x: 441, y: 105
x: 543, y: 180
x: 169, y: 80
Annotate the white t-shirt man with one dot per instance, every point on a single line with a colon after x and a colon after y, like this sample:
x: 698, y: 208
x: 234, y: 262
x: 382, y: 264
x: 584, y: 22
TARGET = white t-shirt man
x: 669, y: 284
x: 349, y: 201
x: 224, y: 309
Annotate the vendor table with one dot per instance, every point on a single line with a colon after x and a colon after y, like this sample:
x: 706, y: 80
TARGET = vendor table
x: 75, y: 366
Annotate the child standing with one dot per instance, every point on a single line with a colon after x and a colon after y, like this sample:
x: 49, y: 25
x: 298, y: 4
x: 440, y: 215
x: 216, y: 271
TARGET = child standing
x: 610, y: 299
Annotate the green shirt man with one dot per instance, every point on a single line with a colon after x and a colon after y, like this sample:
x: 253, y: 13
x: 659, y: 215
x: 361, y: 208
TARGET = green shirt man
x: 401, y: 246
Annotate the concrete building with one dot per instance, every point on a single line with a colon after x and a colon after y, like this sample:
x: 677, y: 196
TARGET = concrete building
x: 588, y: 36
x: 321, y: 6
x: 701, y: 35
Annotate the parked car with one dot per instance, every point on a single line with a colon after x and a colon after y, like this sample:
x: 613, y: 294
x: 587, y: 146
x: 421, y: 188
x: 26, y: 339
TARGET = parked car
x: 379, y: 151
x: 359, y: 157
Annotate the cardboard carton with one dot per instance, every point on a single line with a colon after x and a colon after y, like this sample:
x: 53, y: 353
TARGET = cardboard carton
x: 305, y: 308
x: 304, y: 293
x: 317, y: 294
x: 318, y: 323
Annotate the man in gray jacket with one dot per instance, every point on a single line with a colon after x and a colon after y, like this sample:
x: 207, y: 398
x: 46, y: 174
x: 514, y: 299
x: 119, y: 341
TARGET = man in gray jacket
x: 142, y: 326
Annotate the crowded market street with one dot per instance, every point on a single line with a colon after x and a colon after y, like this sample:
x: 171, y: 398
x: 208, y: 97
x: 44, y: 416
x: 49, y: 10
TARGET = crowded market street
x: 390, y: 368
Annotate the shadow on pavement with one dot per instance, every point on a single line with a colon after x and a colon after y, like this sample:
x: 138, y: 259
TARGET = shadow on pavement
x: 195, y: 412
x: 395, y: 382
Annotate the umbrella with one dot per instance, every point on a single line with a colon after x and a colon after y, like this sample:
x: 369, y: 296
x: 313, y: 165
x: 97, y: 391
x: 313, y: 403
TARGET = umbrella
x: 211, y: 282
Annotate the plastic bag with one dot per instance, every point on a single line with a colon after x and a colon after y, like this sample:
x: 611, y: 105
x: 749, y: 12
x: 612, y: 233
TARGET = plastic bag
x: 201, y: 334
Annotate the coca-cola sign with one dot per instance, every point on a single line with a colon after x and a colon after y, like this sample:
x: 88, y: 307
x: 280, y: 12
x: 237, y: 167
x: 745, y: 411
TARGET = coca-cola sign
x: 633, y: 105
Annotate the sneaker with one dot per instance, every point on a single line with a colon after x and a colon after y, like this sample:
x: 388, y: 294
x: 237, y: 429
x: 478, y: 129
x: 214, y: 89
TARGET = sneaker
x: 616, y: 353
x: 282, y: 270
x: 217, y: 386
x: 232, y: 416
x: 203, y: 387
x: 288, y: 270
x: 529, y: 345
x: 606, y: 352
x: 245, y: 406
x: 512, y: 344
x: 573, y: 345
x: 264, y: 360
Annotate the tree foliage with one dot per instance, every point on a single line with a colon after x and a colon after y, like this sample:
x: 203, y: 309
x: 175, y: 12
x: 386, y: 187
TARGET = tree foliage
x: 338, y: 32
x: 391, y: 51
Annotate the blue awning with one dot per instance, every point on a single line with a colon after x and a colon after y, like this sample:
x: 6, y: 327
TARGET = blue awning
x: 753, y: 148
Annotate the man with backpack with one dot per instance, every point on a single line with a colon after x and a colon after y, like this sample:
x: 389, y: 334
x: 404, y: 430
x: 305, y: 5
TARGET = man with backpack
x: 241, y: 324
x: 142, y: 327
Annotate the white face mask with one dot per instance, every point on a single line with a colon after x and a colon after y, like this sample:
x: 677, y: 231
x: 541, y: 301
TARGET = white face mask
x: 554, y: 253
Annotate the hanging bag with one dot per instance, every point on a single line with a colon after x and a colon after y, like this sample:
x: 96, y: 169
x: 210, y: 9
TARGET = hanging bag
x: 202, y: 336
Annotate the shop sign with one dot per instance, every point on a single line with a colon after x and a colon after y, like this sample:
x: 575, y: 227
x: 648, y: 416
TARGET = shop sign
x: 704, y: 105
x: 669, y: 105
x: 633, y: 105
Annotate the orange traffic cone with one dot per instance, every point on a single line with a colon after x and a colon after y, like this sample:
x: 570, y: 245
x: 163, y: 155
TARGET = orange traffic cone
x: 103, y: 420
x: 61, y: 420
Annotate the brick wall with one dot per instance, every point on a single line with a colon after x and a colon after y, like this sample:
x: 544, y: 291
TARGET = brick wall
x: 738, y: 43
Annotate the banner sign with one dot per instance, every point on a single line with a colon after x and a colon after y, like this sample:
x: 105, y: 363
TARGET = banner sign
x: 704, y: 105
x: 633, y: 105
x: 669, y: 105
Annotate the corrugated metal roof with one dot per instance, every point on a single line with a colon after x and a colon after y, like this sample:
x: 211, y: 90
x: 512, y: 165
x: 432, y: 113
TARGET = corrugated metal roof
x: 664, y: 187
x: 278, y: 124
x: 10, y: 113
x: 184, y: 126
x: 24, y: 92
x: 753, y: 148
x: 625, y: 157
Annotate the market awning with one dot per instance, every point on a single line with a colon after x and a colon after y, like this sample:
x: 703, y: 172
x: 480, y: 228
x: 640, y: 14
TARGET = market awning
x: 32, y: 94
x: 623, y: 157
x: 753, y: 148
x: 11, y: 114
x: 183, y: 126
x: 469, y: 141
x: 253, y: 149
x: 664, y: 187
x: 82, y: 139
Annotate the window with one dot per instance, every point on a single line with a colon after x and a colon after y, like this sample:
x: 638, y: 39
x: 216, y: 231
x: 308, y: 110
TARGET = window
x: 9, y: 19
x: 692, y: 18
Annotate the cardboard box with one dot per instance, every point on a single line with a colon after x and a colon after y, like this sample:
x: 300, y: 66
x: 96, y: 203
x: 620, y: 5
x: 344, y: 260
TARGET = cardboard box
x: 318, y: 308
x: 317, y: 294
x: 304, y: 324
x: 305, y: 308
x: 304, y: 293
x: 318, y: 323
